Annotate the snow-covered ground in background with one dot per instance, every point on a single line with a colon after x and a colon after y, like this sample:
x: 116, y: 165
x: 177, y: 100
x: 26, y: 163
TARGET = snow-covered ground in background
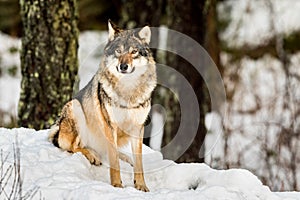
x: 91, y: 45
x: 250, y: 20
x: 61, y: 175
x: 9, y: 85
x: 258, y: 86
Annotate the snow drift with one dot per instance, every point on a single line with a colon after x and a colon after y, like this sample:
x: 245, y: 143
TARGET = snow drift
x: 56, y: 174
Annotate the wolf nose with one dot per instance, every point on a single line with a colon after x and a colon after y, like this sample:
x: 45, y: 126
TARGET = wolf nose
x: 123, y: 67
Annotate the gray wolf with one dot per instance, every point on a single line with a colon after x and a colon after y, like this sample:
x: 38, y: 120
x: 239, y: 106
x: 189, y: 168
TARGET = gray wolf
x: 110, y: 111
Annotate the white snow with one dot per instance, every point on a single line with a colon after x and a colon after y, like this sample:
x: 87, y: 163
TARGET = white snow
x: 91, y: 45
x: 9, y: 86
x: 250, y: 20
x: 9, y: 96
x: 261, y: 85
x: 263, y: 79
x: 60, y: 175
x: 157, y: 130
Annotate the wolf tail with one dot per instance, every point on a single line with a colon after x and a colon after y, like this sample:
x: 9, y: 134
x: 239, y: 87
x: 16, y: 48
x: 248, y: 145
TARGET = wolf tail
x: 53, y: 134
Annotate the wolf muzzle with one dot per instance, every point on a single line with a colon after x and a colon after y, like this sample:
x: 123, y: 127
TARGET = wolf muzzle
x: 124, y: 68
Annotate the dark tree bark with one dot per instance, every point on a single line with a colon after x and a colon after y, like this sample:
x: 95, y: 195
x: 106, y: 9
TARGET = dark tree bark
x: 187, y: 17
x: 213, y: 47
x: 212, y: 41
x: 48, y: 60
x: 149, y: 12
x: 10, y: 20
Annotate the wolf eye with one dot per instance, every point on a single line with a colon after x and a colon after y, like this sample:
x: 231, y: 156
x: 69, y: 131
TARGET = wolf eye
x: 134, y: 51
x: 143, y: 52
x: 118, y: 51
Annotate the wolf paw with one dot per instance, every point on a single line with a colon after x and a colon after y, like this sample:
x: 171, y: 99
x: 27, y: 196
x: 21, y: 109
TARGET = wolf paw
x: 95, y: 161
x: 141, y: 187
x: 93, y: 158
x: 119, y: 185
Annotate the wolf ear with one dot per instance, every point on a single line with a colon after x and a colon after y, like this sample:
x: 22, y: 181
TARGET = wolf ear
x: 145, y: 33
x: 112, y: 30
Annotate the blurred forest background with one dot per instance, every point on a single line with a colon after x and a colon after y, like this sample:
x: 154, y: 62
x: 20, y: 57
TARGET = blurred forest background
x: 254, y: 44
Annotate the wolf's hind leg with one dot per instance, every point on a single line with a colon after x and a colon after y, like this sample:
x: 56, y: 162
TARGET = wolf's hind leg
x: 68, y: 137
x: 71, y: 142
x: 88, y: 153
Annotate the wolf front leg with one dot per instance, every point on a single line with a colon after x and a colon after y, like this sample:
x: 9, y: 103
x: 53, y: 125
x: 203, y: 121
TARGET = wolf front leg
x: 113, y: 154
x: 137, y: 144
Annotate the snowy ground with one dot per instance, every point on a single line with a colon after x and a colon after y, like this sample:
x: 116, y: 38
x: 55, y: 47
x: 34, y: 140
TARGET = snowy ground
x: 61, y: 175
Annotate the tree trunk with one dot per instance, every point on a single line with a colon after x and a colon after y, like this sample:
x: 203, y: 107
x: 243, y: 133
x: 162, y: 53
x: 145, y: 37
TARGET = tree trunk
x: 48, y: 60
x: 213, y: 47
x: 212, y: 41
x: 187, y: 17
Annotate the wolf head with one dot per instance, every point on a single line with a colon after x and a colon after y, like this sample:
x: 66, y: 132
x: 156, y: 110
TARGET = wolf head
x: 128, y: 70
x: 127, y: 51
